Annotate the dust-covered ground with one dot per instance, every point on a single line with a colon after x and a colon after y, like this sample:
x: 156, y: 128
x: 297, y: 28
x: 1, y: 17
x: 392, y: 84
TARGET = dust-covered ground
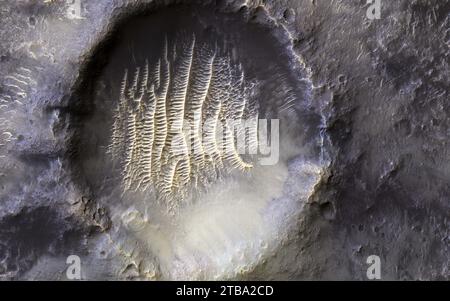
x: 381, y: 185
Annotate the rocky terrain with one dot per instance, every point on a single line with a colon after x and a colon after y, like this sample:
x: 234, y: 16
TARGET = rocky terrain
x: 382, y: 188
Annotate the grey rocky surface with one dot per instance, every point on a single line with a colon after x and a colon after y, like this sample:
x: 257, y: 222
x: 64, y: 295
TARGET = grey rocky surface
x: 381, y: 85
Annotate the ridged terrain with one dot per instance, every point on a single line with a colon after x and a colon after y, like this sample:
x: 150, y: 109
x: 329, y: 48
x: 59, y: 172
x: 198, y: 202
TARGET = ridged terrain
x: 173, y: 125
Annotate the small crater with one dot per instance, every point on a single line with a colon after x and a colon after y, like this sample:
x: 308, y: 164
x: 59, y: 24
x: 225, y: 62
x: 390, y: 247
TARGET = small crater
x: 328, y: 210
